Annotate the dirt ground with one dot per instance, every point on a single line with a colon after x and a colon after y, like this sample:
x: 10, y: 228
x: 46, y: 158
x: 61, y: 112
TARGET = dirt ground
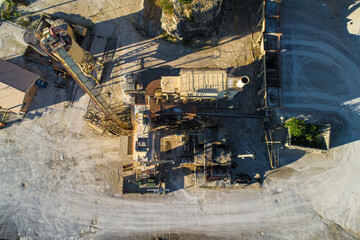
x: 58, y: 178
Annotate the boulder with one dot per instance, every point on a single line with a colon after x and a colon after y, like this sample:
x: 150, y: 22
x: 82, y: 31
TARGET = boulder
x: 189, y: 19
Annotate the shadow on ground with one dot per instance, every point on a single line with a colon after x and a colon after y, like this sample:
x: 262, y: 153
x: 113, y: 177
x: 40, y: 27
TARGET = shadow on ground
x: 344, y: 119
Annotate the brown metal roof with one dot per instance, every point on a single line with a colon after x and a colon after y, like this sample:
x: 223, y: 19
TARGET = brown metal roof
x: 16, y: 77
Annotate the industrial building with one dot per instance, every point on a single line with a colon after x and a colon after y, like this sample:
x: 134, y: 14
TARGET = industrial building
x: 204, y: 152
x: 203, y: 84
x: 168, y: 126
x: 169, y: 134
x: 202, y: 149
x: 17, y: 87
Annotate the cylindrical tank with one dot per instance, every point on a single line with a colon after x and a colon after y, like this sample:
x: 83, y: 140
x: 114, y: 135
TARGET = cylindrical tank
x: 237, y: 83
x: 242, y: 81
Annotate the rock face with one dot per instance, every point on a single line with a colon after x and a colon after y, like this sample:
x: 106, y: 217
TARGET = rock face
x: 150, y: 19
x: 189, y: 19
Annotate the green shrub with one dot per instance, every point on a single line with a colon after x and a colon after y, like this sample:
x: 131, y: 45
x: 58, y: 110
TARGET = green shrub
x: 304, y: 134
x: 296, y: 126
x: 185, y: 1
x: 168, y: 37
x: 22, y: 2
x: 166, y: 5
x: 8, y: 11
x: 24, y: 22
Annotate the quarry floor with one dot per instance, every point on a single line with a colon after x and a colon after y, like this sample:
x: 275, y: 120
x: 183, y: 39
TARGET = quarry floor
x: 59, y: 180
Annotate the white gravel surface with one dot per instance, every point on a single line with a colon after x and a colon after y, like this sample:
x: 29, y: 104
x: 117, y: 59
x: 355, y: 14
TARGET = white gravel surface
x: 320, y: 76
x: 48, y: 185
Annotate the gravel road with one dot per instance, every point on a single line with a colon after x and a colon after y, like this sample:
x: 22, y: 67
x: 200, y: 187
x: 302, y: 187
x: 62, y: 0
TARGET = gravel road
x: 48, y: 181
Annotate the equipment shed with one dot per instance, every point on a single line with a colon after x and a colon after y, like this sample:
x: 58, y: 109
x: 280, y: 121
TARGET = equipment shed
x: 17, y: 87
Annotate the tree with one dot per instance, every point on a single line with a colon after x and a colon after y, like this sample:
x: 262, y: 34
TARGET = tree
x: 304, y: 134
x: 296, y: 126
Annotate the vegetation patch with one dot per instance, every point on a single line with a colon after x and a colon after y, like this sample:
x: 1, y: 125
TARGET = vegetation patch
x: 22, y: 2
x: 28, y: 22
x: 185, y: 1
x: 8, y: 10
x: 166, y: 5
x: 168, y: 37
x: 304, y: 134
